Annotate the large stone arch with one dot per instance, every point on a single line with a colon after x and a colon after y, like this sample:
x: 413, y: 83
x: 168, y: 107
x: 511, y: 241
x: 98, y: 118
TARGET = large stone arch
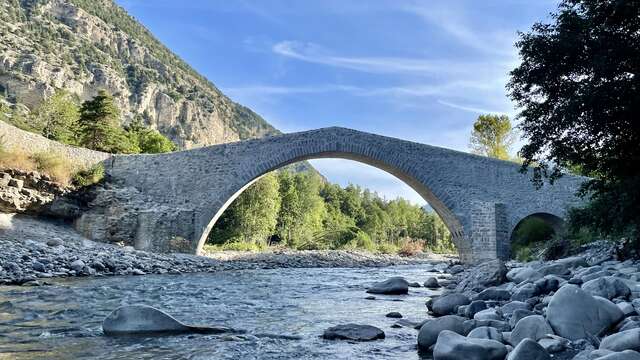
x: 480, y: 199
x: 349, y: 152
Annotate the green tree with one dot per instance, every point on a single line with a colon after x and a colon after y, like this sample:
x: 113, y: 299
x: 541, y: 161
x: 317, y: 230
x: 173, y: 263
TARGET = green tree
x: 253, y: 216
x: 148, y: 141
x: 100, y: 126
x: 578, y: 86
x: 58, y: 117
x: 492, y: 136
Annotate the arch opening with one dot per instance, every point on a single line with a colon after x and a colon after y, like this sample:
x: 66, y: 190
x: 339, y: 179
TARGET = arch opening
x: 440, y: 211
x: 531, y: 232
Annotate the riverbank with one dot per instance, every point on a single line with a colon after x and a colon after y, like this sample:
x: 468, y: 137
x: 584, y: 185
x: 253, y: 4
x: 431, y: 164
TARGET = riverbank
x: 34, y: 250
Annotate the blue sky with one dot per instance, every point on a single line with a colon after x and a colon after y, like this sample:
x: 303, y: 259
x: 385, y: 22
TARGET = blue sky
x: 416, y: 70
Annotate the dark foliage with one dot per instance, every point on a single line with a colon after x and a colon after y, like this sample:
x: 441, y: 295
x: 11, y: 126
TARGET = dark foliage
x: 578, y: 88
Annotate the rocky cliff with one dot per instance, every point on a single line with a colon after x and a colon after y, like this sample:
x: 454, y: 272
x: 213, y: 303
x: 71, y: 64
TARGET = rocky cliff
x: 86, y: 45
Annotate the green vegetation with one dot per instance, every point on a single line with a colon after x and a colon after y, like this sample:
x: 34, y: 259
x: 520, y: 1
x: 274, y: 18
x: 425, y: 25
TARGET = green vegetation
x: 300, y: 211
x: 94, y: 125
x: 56, y: 166
x: 492, y: 136
x: 90, y: 176
x: 578, y: 88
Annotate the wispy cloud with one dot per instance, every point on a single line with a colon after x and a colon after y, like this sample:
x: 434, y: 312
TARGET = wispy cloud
x: 314, y: 53
x: 471, y: 108
x: 454, y: 21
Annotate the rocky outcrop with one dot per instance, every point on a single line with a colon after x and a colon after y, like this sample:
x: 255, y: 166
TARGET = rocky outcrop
x: 83, y: 47
x: 30, y: 192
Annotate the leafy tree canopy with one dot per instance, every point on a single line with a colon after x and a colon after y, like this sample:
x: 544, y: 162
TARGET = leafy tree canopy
x: 492, y: 136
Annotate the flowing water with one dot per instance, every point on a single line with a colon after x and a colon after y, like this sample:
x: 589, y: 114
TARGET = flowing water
x: 63, y: 321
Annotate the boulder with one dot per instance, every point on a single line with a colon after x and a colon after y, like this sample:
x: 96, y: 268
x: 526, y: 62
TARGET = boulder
x: 524, y: 292
x: 430, y: 330
x: 451, y: 346
x: 448, y: 304
x: 623, y: 355
x: 528, y: 349
x: 481, y: 276
x: 393, y: 286
x: 533, y: 327
x: 526, y: 274
x: 394, y: 315
x: 508, y: 308
x: 572, y: 313
x: 486, y: 332
x: 607, y: 287
x: 473, y: 308
x: 353, y: 332
x: 488, y: 314
x: 554, y: 344
x: 493, y: 293
x: 518, y: 315
x: 625, y: 340
x: 431, y: 283
x: 142, y: 319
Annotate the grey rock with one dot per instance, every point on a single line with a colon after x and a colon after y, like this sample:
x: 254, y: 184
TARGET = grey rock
x: 524, y: 292
x: 142, y: 319
x: 430, y: 330
x: 431, y: 283
x: 54, y: 242
x: 483, y: 275
x: 394, y: 315
x: 625, y: 340
x: 529, y: 350
x: 448, y: 304
x: 473, y: 308
x: 488, y: 314
x: 607, y: 287
x: 451, y: 346
x: 533, y: 327
x: 519, y: 314
x: 508, y: 308
x: 554, y: 344
x: 353, y: 332
x: 572, y: 313
x: 493, y: 293
x: 519, y: 275
x: 77, y: 265
x: 392, y: 286
x: 486, y: 332
x: 623, y: 355
x: 38, y: 266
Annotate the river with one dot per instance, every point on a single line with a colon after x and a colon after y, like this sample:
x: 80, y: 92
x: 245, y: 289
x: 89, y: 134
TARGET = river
x: 63, y: 320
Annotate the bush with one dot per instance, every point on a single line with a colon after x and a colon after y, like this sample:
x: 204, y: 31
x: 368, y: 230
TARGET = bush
x: 410, y: 247
x: 238, y: 246
x: 16, y: 159
x: 90, y: 176
x: 54, y: 165
x: 387, y: 248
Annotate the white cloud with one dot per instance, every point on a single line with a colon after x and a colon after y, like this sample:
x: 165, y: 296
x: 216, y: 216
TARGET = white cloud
x: 471, y: 108
x: 313, y: 53
x: 454, y: 21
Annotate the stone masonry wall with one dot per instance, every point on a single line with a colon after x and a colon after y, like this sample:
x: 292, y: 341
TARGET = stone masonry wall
x: 202, y: 182
x: 13, y: 138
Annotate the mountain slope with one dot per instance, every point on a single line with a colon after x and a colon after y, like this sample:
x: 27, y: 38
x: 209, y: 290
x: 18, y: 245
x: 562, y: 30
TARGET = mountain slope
x: 86, y: 45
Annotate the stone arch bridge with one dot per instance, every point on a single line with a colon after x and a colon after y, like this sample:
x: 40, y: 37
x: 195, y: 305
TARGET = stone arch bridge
x: 175, y: 198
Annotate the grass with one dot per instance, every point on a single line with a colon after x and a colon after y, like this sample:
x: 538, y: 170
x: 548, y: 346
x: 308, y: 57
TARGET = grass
x: 54, y: 165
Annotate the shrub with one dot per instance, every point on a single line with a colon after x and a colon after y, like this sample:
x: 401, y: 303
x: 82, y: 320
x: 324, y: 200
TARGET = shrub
x: 54, y: 165
x: 90, y: 176
x: 410, y: 247
x: 16, y: 159
x: 387, y: 248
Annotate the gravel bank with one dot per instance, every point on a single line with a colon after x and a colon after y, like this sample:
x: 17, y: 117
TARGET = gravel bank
x: 34, y: 250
